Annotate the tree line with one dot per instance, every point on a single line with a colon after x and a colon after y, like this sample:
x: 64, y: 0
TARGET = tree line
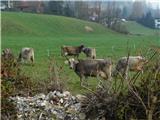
x: 97, y: 11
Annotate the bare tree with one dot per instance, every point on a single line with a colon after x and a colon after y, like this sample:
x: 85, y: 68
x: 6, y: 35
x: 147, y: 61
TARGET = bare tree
x: 81, y: 8
x: 137, y: 10
x: 98, y: 9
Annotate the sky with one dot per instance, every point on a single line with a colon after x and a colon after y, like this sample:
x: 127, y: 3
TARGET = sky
x: 154, y: 3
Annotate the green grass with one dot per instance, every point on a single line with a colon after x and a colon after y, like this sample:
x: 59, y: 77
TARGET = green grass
x: 136, y: 28
x: 49, y: 32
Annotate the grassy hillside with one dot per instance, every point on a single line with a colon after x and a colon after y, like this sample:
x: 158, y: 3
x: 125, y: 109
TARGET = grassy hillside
x: 44, y: 25
x: 48, y: 33
x: 136, y: 28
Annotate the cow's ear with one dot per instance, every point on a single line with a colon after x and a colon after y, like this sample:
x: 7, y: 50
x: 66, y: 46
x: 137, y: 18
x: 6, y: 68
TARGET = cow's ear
x: 66, y: 62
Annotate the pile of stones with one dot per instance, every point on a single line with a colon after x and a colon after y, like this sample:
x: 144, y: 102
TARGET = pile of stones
x: 53, y: 106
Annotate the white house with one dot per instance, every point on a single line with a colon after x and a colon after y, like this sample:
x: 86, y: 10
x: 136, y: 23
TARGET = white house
x: 3, y: 6
x: 157, y: 23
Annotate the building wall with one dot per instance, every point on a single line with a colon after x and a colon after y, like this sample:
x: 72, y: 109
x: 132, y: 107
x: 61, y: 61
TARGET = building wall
x: 157, y: 23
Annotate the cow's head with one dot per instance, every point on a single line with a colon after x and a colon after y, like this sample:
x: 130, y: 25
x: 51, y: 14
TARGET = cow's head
x: 81, y: 47
x: 142, y: 59
x: 72, y: 63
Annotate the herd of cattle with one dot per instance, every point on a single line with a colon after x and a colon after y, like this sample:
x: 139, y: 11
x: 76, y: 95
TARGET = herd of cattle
x: 91, y: 66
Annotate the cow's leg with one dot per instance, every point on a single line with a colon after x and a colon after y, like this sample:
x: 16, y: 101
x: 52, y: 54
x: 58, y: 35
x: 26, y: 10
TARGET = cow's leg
x: 32, y: 59
x: 86, y: 81
x: 21, y: 60
x: 109, y: 75
x: 100, y: 83
x: 81, y: 80
x: 124, y: 72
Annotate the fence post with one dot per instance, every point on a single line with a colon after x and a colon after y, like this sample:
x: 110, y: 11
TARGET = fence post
x: 48, y: 52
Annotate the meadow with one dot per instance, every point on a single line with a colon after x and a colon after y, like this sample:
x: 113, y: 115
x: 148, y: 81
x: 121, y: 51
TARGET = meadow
x: 47, y: 33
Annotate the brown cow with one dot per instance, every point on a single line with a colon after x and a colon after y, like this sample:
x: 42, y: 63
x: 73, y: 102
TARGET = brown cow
x: 71, y: 50
x: 90, y: 67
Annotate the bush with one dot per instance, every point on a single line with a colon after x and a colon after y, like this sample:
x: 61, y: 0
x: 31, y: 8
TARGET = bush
x: 138, y: 101
x: 12, y: 83
x: 147, y: 20
x: 119, y: 27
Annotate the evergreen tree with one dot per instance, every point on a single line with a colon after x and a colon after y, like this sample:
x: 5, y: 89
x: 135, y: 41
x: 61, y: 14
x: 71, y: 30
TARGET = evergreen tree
x: 147, y: 20
x: 68, y: 11
x: 124, y: 12
x: 56, y: 7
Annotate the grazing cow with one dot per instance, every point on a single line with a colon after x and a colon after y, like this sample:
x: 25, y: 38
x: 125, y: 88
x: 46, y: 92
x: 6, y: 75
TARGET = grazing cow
x: 71, y: 50
x: 90, y: 52
x: 7, y: 54
x: 26, y: 54
x: 93, y: 68
x: 131, y: 63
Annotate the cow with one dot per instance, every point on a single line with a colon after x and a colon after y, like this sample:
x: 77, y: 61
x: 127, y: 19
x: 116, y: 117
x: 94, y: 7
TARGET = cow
x: 26, y: 54
x: 71, y: 50
x: 91, y: 68
x: 90, y: 52
x: 7, y: 54
x: 131, y: 63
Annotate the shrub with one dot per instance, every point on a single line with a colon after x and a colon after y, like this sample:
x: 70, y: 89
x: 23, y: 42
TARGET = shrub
x: 139, y: 101
x: 12, y: 83
x: 119, y: 27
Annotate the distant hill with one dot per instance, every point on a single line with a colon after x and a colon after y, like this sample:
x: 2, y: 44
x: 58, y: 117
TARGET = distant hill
x: 136, y: 28
x: 14, y: 23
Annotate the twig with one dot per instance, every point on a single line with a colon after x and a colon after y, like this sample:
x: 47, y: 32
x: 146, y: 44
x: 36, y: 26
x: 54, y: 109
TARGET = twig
x: 137, y: 95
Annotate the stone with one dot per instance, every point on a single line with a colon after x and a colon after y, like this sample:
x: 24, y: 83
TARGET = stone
x: 63, y: 106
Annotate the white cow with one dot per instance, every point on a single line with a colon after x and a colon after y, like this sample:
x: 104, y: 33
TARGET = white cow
x: 125, y: 64
x: 26, y: 54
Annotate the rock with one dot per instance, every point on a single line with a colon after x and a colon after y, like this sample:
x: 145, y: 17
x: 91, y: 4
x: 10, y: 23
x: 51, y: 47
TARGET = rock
x: 59, y: 94
x: 82, y: 116
x: 50, y: 95
x: 40, y: 96
x: 61, y: 101
x: 66, y: 93
x: 63, y: 106
x: 80, y: 97
x: 88, y: 29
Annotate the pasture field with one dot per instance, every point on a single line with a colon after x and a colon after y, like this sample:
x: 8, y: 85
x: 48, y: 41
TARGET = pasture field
x: 136, y: 28
x: 48, y: 33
